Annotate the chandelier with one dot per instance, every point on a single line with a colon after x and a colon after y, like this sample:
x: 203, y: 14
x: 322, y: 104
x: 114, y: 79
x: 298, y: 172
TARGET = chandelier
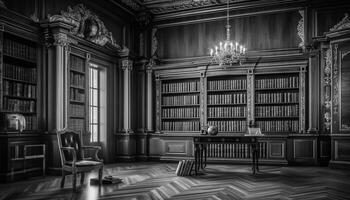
x: 228, y: 52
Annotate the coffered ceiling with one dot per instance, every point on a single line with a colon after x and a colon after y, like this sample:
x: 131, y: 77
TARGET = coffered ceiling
x: 168, y: 6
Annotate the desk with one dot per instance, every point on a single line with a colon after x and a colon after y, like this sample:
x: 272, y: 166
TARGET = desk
x: 201, y: 142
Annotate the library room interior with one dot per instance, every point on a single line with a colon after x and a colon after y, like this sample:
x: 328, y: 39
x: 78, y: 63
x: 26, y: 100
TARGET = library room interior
x: 174, y: 99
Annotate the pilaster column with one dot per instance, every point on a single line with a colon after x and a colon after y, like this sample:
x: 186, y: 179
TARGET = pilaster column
x: 149, y: 107
x: 61, y: 74
x: 127, y: 68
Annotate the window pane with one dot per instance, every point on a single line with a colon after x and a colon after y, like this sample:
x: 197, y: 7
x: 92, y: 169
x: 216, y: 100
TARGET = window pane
x: 95, y: 79
x: 94, y: 133
x: 94, y: 115
x: 94, y: 97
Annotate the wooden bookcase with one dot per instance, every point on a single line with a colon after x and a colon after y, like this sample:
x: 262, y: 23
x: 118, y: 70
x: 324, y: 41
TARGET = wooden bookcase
x: 19, y: 78
x: 227, y: 103
x: 180, y: 105
x: 271, y: 98
x: 78, y: 76
x: 277, y: 108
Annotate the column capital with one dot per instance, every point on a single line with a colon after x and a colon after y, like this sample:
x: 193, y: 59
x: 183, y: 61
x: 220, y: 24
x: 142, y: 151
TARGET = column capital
x: 127, y: 64
x: 149, y: 66
x: 62, y: 39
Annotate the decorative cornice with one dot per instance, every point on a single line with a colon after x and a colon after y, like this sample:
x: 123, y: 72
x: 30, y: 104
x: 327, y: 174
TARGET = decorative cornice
x: 86, y: 24
x: 300, y: 28
x: 344, y: 23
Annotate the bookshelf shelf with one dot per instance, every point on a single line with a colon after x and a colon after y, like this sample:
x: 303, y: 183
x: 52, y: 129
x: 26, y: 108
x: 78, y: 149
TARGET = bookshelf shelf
x: 272, y: 89
x: 189, y: 105
x: 20, y: 97
x: 224, y: 91
x: 226, y: 118
x: 277, y: 103
x: 77, y: 102
x: 77, y: 71
x: 21, y: 59
x: 19, y: 81
x: 77, y: 117
x: 77, y: 87
x: 180, y: 93
x: 228, y: 105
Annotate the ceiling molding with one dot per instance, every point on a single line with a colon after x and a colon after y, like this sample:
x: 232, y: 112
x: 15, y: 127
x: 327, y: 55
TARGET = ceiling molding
x: 223, y: 17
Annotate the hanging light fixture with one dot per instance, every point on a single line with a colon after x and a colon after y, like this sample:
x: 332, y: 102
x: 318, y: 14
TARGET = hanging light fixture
x: 228, y: 52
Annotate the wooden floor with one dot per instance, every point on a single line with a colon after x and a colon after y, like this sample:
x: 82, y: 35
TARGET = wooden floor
x: 158, y: 181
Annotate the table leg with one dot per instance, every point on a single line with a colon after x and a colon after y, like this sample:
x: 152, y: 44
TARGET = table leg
x: 205, y: 155
x: 254, y: 157
x: 196, y: 149
x: 201, y: 156
x: 257, y: 157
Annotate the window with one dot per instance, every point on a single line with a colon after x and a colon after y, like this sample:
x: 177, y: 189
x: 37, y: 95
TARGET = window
x: 97, y: 102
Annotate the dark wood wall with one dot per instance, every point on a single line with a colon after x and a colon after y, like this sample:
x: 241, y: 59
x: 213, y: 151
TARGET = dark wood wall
x: 260, y: 32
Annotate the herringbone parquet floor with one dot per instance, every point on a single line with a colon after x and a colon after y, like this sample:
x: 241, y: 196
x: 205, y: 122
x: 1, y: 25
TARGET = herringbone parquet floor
x: 158, y: 181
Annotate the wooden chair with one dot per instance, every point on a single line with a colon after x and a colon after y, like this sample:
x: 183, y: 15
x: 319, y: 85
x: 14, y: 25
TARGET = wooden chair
x: 72, y: 157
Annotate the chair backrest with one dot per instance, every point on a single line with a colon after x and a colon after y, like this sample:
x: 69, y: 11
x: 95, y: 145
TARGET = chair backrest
x: 69, y: 138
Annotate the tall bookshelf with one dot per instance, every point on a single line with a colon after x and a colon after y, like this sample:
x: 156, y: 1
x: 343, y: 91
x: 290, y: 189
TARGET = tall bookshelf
x: 227, y: 103
x: 18, y: 74
x: 180, y: 105
x: 77, y: 93
x: 277, y: 103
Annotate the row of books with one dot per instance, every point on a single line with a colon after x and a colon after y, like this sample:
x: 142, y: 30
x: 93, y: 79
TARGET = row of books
x: 229, y: 126
x: 76, y: 124
x: 278, y: 125
x: 234, y: 98
x: 184, y: 168
x: 77, y: 80
x: 279, y: 82
x: 239, y: 84
x: 181, y: 100
x: 235, y: 150
x: 77, y: 63
x: 20, y: 73
x: 237, y: 111
x: 180, y: 112
x: 281, y: 97
x: 31, y: 122
x: 16, y: 105
x: 277, y: 111
x: 77, y: 95
x: 180, y: 87
x: 77, y: 110
x: 19, y: 89
x: 181, y: 126
x: 17, y: 49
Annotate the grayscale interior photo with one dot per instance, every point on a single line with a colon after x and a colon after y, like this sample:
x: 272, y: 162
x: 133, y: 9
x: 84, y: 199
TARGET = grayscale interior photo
x: 174, y: 99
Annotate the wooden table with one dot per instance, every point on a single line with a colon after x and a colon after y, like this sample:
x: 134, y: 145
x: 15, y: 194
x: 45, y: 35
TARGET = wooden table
x: 201, y: 142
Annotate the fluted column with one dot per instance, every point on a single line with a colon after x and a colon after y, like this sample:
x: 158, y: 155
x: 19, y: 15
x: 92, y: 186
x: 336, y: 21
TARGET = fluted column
x: 61, y: 75
x: 127, y: 68
x: 149, y: 110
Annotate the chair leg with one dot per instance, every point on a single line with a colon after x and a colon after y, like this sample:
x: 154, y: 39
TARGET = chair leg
x: 74, y: 181
x: 100, y: 176
x: 63, y: 178
x: 82, y: 178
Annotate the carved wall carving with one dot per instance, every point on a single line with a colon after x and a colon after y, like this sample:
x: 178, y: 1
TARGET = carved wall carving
x: 301, y: 29
x: 327, y: 78
x: 344, y: 23
x: 86, y: 24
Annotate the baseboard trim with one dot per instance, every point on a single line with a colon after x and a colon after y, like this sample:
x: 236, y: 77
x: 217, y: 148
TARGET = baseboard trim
x: 339, y: 164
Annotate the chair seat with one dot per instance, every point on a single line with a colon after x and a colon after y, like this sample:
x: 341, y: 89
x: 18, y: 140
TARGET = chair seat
x: 85, y: 163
